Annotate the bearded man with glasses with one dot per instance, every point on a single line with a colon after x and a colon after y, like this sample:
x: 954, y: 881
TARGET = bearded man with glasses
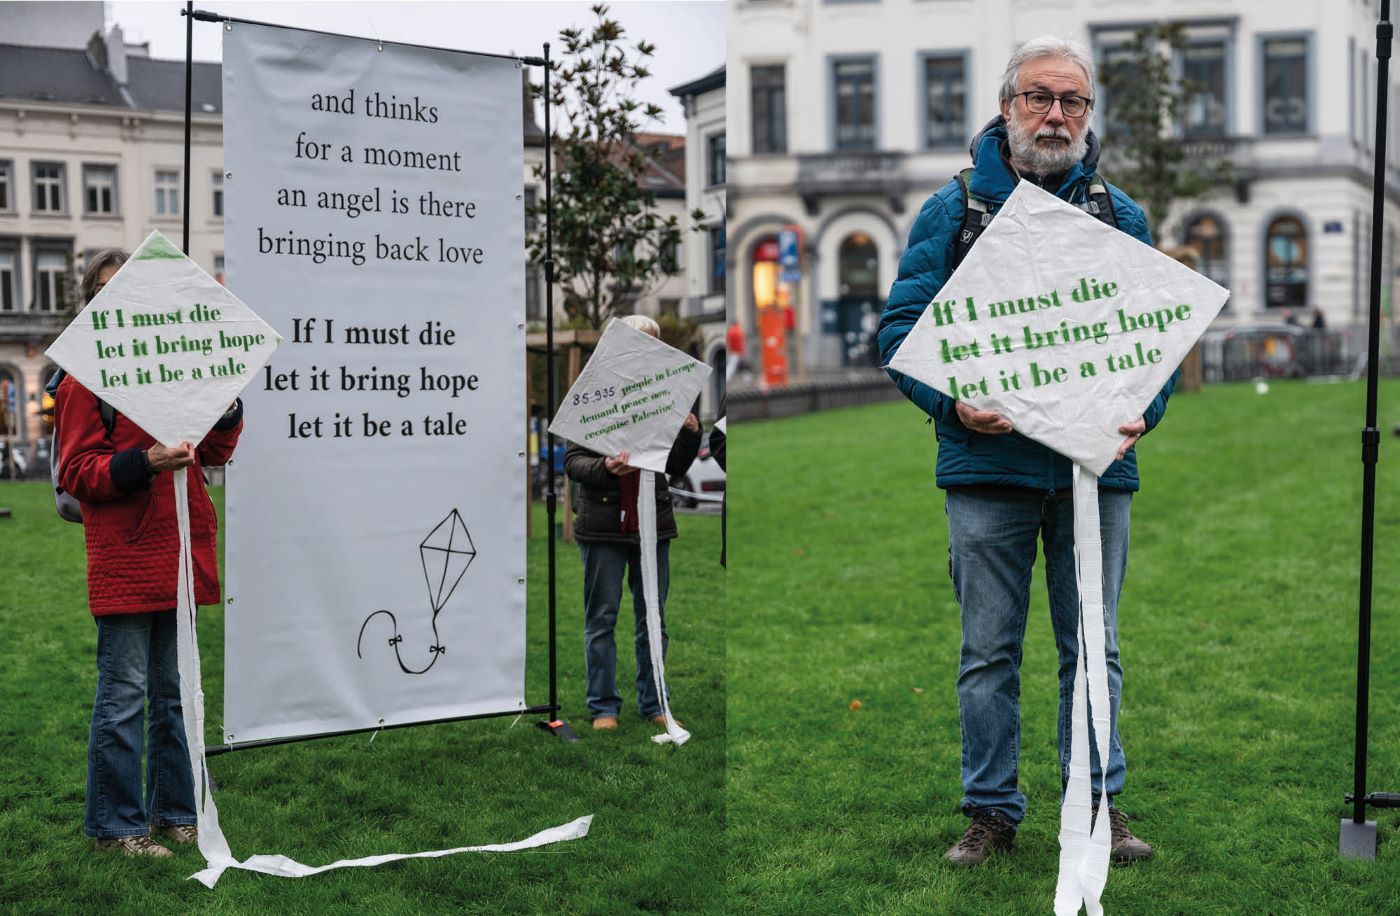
x: 1004, y: 491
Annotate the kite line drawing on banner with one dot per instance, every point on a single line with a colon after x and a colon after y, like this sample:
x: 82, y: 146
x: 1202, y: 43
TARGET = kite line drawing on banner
x: 444, y: 560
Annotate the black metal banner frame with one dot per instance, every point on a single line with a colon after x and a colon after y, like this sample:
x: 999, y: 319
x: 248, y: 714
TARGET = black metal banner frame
x: 553, y: 724
x: 1358, y: 835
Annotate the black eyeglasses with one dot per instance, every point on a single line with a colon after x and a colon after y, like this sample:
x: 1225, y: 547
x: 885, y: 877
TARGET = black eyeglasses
x: 1073, y: 106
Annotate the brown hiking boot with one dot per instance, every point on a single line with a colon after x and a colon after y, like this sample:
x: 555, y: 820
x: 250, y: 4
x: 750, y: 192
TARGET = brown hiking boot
x: 1126, y: 847
x: 988, y: 831
x: 130, y: 846
x: 180, y: 833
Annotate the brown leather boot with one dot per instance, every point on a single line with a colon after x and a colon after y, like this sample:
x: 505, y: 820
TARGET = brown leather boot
x: 1126, y: 847
x: 988, y: 831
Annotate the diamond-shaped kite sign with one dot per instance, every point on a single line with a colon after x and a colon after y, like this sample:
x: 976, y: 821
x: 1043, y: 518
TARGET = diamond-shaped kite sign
x: 633, y: 396
x: 1066, y: 326
x: 165, y: 344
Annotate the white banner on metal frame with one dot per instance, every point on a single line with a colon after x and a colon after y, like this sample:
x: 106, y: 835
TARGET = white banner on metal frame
x: 376, y: 507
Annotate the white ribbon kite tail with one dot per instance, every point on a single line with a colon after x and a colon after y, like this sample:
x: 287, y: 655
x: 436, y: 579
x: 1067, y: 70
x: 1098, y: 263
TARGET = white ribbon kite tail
x: 646, y: 514
x: 1084, y: 855
x: 211, y: 839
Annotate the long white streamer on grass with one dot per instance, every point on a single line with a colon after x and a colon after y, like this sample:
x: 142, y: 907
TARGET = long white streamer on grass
x: 646, y: 517
x: 212, y: 843
x: 1084, y: 851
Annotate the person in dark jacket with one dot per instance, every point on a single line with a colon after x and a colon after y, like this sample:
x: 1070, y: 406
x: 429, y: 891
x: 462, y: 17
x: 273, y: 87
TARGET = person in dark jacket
x: 1003, y: 489
x: 128, y: 500
x: 605, y: 494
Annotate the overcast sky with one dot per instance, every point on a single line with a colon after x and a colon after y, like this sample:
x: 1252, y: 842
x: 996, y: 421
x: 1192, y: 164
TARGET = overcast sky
x: 688, y: 34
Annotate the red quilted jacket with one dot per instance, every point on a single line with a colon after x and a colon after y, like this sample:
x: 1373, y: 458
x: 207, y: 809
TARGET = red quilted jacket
x: 133, y: 542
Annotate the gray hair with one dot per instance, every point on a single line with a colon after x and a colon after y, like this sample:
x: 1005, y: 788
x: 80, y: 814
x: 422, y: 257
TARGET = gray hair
x: 642, y: 323
x: 1046, y: 46
x: 107, y: 257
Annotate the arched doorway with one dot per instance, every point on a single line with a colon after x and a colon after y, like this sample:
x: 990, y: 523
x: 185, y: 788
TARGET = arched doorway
x: 1286, y: 264
x: 858, y: 305
x: 1209, y: 234
x: 773, y: 318
x: 12, y: 425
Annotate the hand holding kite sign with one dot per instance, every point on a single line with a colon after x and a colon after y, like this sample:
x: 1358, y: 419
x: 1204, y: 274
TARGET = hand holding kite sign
x: 1066, y: 327
x: 1065, y: 330
x: 630, y: 402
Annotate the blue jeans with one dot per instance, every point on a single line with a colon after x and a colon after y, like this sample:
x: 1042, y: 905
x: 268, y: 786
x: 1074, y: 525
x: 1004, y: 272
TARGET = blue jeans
x: 992, y: 549
x: 603, y: 568
x: 137, y: 665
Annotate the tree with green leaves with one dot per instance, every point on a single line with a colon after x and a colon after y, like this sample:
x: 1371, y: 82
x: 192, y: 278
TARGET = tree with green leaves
x: 1144, y: 151
x: 611, y: 245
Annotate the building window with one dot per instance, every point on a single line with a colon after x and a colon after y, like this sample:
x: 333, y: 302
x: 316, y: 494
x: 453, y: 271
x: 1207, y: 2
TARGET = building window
x: 853, y: 89
x: 100, y: 189
x: 714, y: 173
x: 622, y: 253
x: 1286, y: 265
x: 7, y: 185
x: 945, y: 106
x: 1203, y: 64
x: 1118, y: 66
x: 50, y: 281
x: 219, y: 268
x: 531, y: 220
x: 216, y: 203
x: 534, y: 305
x: 716, y: 239
x: 1285, y: 99
x: 9, y: 278
x: 167, y: 193
x: 48, y: 187
x: 1206, y: 233
x: 669, y: 256
x: 769, y: 90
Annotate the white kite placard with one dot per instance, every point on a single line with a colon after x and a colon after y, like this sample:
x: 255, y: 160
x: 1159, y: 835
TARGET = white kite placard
x: 165, y: 344
x: 1069, y: 328
x: 633, y: 396
x: 1066, y: 326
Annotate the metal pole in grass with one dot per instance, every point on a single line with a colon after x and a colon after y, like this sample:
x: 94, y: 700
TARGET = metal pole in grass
x: 556, y: 724
x: 189, y: 79
x: 1358, y: 835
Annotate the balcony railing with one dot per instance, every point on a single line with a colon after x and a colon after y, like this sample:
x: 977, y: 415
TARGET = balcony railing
x: 863, y: 172
x: 33, y: 326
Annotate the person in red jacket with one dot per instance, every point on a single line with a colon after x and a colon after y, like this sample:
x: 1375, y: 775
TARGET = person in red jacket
x: 123, y: 481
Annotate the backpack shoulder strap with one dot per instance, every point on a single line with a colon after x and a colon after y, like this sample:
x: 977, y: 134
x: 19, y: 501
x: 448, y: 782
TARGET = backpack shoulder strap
x: 1098, y: 202
x: 975, y: 219
x: 105, y: 410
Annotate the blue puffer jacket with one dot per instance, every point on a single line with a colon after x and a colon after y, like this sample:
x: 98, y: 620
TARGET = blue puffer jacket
x: 967, y: 458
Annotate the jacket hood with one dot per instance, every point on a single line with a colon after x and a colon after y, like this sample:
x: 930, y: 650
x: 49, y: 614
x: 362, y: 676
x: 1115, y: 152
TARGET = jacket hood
x: 993, y: 181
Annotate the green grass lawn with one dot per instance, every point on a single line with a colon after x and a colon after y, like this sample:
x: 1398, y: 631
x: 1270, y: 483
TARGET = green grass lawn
x: 1238, y: 636
x: 658, y: 833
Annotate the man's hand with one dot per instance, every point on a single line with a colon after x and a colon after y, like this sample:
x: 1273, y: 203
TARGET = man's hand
x: 618, y: 466
x: 982, y: 421
x: 691, y: 423
x: 159, y: 458
x: 1134, y: 431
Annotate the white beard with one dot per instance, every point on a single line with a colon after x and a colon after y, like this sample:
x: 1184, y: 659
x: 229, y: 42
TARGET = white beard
x: 1049, y: 159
